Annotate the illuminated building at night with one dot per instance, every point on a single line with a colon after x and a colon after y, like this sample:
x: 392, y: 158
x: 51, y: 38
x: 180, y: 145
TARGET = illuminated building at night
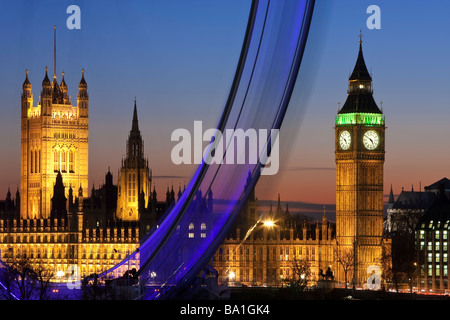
x: 359, y: 155
x: 54, y: 140
x: 419, y: 221
x: 356, y: 240
x: 53, y: 222
x: 266, y: 257
x: 431, y: 240
x: 134, y: 179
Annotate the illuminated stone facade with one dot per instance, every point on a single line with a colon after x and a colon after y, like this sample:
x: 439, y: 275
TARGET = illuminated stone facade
x: 134, y: 179
x: 58, y: 244
x: 54, y: 138
x: 356, y: 241
x: 47, y: 223
x: 359, y: 155
x: 58, y: 229
x: 267, y: 256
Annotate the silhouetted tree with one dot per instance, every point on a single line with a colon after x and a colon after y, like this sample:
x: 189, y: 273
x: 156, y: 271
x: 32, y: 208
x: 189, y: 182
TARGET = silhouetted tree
x: 346, y: 258
x: 21, y: 279
x: 301, y: 275
x: 44, y: 276
x: 387, y: 274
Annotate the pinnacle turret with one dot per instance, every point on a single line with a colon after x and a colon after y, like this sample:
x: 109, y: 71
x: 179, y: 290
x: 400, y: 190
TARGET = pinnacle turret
x: 82, y: 83
x: 46, y: 82
x: 26, y: 84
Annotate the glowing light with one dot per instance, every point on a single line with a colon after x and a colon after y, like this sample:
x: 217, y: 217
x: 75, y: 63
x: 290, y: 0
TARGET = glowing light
x: 368, y: 119
x: 60, y: 273
x: 269, y: 223
x: 232, y: 275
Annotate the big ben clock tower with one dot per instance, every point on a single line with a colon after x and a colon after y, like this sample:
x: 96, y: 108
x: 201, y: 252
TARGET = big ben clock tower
x: 359, y: 155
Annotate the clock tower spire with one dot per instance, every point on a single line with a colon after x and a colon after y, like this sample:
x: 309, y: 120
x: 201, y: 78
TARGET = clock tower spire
x: 360, y: 93
x: 359, y: 156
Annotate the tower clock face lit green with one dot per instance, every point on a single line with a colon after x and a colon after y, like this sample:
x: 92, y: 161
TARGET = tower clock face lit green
x: 345, y: 139
x: 371, y: 140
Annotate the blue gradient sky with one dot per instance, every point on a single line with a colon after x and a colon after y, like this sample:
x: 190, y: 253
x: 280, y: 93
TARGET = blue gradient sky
x: 178, y: 59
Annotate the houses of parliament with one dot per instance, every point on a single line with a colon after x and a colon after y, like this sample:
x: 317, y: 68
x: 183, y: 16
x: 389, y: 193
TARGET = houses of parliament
x: 56, y: 221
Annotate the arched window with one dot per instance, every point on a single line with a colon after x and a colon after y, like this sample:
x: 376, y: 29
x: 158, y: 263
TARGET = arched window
x: 63, y: 161
x: 36, y: 161
x: 203, y: 228
x: 55, y: 161
x: 31, y: 161
x: 191, y: 228
x: 71, y: 162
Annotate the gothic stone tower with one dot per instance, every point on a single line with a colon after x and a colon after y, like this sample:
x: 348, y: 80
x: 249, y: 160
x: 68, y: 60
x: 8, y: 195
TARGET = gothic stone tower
x: 54, y: 139
x: 134, y: 179
x: 359, y: 155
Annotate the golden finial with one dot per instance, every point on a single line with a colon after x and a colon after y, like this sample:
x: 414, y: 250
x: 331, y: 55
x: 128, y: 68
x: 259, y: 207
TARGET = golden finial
x: 360, y: 36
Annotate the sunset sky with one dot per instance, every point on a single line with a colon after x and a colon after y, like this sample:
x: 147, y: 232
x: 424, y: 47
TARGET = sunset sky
x: 178, y: 59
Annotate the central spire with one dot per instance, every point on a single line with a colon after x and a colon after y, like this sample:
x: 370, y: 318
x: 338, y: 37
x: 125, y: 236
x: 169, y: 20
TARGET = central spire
x: 360, y: 71
x: 135, y: 145
x: 135, y: 125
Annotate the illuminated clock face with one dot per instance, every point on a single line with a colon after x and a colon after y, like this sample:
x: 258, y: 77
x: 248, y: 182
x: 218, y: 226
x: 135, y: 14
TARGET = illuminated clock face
x: 345, y: 140
x: 371, y: 140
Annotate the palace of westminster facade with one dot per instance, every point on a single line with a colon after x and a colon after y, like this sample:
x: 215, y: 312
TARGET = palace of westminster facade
x: 54, y: 222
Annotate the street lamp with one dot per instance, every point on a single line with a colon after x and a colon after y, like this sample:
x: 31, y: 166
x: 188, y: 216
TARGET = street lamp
x: 269, y: 223
x: 266, y: 223
x: 59, y: 275
x: 231, y: 276
x: 415, y: 277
